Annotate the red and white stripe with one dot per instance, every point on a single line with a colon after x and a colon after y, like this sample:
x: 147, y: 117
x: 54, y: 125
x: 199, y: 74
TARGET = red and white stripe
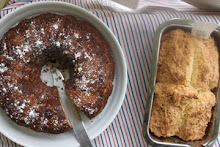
x: 135, y: 33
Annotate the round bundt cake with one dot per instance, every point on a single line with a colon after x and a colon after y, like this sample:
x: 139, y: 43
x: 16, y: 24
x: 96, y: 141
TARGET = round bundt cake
x: 77, y: 46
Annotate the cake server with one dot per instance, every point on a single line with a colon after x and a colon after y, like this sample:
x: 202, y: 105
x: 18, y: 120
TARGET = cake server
x: 71, y: 111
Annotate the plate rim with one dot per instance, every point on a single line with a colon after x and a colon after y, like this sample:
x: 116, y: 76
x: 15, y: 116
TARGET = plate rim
x: 121, y: 97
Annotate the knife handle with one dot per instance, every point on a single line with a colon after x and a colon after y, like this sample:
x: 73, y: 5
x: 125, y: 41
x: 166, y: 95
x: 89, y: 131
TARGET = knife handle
x: 78, y: 126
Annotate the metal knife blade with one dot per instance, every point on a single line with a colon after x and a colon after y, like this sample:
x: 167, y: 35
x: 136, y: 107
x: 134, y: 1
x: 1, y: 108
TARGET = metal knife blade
x: 71, y: 111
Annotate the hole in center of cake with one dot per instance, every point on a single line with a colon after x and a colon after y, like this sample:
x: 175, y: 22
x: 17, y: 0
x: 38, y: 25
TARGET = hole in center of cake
x: 47, y: 73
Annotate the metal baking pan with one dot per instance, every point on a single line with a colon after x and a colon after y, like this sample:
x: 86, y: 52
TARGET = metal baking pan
x: 212, y: 129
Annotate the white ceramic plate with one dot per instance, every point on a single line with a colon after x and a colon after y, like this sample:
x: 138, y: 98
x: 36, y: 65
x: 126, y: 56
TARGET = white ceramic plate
x: 26, y: 136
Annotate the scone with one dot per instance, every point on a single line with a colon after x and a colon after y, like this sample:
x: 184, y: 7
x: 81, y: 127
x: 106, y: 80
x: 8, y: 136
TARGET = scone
x: 188, y: 70
x: 205, y: 71
x: 181, y: 111
x: 176, y: 58
x: 187, y: 60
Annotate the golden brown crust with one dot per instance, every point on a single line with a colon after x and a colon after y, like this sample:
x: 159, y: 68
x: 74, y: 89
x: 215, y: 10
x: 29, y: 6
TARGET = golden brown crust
x: 188, y: 60
x: 188, y: 70
x: 173, y: 66
x: 206, y: 68
x: 76, y: 45
x: 181, y: 111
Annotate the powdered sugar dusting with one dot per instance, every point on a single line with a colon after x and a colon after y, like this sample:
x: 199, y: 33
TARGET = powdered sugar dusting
x: 87, y: 56
x: 20, y: 106
x: 80, y: 69
x: 58, y: 44
x: 8, y: 57
x: 77, y: 101
x: 42, y: 30
x: 77, y: 55
x: 83, y: 84
x: 39, y: 43
x: 26, y: 48
x: 55, y: 26
x: 65, y: 52
x: 89, y: 109
x: 3, y: 68
x: 3, y: 91
x: 33, y: 113
x: 76, y: 35
x: 55, y: 122
x: 4, y: 47
x: 19, y: 52
x: 45, y: 121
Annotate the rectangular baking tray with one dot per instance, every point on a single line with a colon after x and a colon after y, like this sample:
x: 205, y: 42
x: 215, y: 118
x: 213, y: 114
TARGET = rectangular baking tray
x: 213, y: 127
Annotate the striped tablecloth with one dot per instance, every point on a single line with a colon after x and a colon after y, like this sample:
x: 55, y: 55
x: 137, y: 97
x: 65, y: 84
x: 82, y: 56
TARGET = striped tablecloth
x: 135, y: 32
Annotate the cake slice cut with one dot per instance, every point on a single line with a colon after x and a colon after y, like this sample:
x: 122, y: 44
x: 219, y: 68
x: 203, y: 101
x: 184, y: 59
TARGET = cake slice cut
x: 77, y: 46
